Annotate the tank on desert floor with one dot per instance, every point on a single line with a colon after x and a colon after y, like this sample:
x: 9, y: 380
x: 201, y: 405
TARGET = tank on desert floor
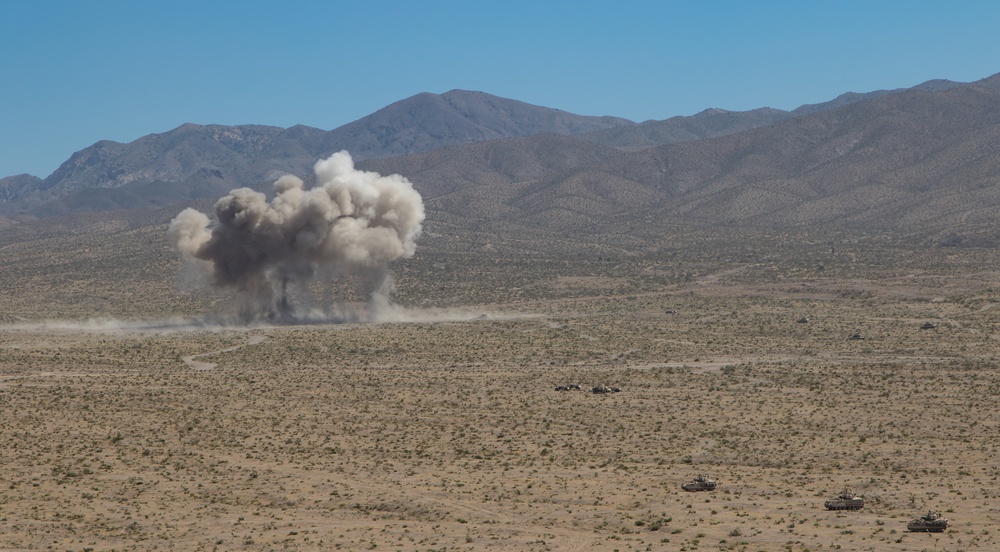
x: 928, y: 523
x: 699, y: 483
x: 845, y: 501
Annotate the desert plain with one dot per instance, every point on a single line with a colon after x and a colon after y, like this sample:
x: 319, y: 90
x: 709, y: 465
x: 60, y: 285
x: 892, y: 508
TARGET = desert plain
x: 787, y: 372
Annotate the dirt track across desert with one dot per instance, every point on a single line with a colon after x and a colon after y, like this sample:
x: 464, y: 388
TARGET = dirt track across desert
x: 451, y: 435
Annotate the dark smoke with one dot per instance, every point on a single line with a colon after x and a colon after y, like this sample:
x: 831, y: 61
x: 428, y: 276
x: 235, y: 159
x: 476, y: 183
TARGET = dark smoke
x: 352, y: 223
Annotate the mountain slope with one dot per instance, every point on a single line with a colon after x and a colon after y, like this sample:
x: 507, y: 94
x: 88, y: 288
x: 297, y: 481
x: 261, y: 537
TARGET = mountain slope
x: 14, y: 186
x: 710, y: 123
x: 169, y: 157
x: 910, y: 162
x: 713, y: 123
x: 920, y: 161
x: 185, y: 162
x: 898, y: 162
x: 429, y: 121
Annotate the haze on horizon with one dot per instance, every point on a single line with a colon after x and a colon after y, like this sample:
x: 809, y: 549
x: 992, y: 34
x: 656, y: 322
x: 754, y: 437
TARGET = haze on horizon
x: 77, y: 73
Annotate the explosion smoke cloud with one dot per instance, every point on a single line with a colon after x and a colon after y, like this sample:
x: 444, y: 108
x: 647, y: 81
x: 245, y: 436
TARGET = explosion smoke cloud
x: 352, y: 222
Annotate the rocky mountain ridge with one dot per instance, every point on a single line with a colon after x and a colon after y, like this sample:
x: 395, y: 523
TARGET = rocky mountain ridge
x: 885, y: 160
x: 202, y: 160
x: 914, y: 162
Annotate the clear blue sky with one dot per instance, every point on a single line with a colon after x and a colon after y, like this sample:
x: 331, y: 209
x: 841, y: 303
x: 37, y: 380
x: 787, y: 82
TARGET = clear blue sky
x: 73, y: 72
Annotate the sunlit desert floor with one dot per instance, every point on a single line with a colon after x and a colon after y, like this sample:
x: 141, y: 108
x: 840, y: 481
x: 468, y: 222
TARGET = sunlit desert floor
x: 450, y: 435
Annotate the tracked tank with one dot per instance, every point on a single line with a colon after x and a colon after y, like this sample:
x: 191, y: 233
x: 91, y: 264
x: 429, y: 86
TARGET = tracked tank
x: 928, y: 523
x: 845, y: 501
x: 699, y: 483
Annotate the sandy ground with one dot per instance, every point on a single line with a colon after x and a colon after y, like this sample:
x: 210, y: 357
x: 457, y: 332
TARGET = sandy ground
x: 449, y: 435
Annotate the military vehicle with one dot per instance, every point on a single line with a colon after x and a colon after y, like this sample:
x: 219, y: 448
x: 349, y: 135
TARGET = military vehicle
x: 699, y: 483
x: 845, y: 501
x: 928, y: 523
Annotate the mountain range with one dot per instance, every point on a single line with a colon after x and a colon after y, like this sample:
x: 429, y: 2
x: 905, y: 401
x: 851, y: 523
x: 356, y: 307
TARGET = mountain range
x: 923, y: 160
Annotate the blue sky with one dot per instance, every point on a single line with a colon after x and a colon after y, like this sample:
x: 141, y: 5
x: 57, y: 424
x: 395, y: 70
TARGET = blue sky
x: 73, y: 72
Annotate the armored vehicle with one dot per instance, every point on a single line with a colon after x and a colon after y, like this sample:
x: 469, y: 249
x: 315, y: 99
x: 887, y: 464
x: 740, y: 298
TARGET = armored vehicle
x: 928, y: 523
x: 699, y: 483
x: 846, y: 501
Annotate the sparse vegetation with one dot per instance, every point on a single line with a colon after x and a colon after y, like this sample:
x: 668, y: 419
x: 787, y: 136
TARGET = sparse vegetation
x: 433, y: 435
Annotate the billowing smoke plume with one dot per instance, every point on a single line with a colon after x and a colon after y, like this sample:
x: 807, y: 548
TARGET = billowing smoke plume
x: 351, y: 223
